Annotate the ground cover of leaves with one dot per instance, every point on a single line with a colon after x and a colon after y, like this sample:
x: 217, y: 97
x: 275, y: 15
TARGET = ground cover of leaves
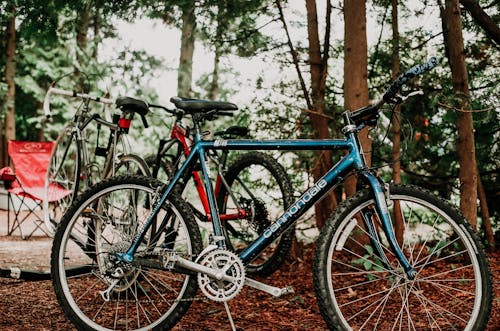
x: 33, y: 306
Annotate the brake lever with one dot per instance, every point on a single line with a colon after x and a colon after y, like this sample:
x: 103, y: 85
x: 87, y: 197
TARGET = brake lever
x: 399, y: 98
x: 402, y: 98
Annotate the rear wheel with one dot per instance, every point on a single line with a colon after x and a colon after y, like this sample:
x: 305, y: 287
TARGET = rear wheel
x: 98, y: 291
x: 357, y: 288
x: 164, y: 170
x: 129, y: 164
x: 259, y: 185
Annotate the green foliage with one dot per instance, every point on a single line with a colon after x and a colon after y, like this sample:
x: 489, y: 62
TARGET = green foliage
x: 46, y: 51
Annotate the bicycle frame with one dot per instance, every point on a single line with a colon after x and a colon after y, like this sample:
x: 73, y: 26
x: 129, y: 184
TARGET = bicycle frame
x: 354, y: 160
x: 178, y: 135
x: 79, y: 132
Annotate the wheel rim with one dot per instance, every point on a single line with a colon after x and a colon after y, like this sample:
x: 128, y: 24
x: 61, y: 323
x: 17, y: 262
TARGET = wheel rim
x: 363, y: 291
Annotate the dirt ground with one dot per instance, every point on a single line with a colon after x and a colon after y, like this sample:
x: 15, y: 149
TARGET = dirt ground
x: 31, y: 305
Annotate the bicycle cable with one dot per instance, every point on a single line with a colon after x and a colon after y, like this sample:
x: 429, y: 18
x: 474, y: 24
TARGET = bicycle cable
x: 406, y: 137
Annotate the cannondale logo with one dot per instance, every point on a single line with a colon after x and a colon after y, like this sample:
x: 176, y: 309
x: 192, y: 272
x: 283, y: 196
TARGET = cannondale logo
x: 305, y: 198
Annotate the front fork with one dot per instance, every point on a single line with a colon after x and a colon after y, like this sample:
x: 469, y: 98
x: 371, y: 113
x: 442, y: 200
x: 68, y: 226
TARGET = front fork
x: 381, y: 196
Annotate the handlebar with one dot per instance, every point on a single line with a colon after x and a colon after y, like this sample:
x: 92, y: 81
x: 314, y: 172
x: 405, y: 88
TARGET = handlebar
x: 367, y: 114
x: 411, y: 73
x: 74, y: 94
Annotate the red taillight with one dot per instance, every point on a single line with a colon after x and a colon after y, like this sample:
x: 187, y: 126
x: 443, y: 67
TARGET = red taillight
x: 124, y: 123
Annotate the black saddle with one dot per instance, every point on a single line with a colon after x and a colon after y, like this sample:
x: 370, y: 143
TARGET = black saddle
x: 200, y: 106
x: 132, y: 105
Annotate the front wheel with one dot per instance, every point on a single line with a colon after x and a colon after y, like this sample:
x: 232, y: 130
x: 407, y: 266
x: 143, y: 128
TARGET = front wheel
x: 62, y: 180
x: 98, y: 291
x: 357, y: 288
x: 258, y: 186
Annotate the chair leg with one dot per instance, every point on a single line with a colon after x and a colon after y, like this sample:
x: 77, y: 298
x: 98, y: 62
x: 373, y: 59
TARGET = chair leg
x: 19, y: 219
x: 15, y: 221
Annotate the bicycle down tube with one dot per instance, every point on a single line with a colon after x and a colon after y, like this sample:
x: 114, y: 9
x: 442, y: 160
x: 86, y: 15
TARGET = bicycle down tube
x: 353, y: 160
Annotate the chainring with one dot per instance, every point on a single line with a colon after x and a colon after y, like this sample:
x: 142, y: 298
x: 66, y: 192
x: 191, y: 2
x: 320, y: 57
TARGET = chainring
x: 230, y: 264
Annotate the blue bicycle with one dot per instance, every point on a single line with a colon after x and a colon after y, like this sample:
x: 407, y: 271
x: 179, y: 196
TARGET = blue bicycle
x: 389, y: 258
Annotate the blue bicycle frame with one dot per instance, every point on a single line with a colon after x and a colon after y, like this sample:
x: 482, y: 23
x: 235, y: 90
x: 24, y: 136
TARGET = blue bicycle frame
x: 354, y: 160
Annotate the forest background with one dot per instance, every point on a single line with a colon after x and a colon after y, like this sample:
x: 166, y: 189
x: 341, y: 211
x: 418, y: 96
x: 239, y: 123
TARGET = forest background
x: 292, y: 67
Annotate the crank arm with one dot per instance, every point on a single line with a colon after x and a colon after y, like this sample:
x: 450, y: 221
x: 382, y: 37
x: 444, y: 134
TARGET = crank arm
x: 179, y: 261
x: 274, y: 291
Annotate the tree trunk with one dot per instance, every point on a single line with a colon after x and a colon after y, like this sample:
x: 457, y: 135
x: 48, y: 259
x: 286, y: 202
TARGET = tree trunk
x: 97, y: 30
x: 485, y: 213
x: 355, y: 71
x: 396, y: 127
x: 482, y: 19
x: 318, y: 69
x: 82, y: 28
x: 213, y: 90
x: 466, y: 148
x: 185, y: 74
x: 446, y: 37
x: 10, y: 72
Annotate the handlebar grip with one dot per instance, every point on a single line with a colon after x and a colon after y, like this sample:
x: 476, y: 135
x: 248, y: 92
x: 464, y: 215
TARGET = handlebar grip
x: 409, y: 75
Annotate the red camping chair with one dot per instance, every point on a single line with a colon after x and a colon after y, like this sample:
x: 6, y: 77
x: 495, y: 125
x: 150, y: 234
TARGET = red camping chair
x: 27, y: 182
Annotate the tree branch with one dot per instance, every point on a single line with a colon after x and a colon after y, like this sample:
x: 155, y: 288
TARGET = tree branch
x: 294, y: 56
x: 482, y: 19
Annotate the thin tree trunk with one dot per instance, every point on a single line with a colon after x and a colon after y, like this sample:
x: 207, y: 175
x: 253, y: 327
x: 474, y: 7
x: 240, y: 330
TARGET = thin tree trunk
x: 185, y: 74
x: 97, y: 30
x: 295, y: 57
x: 355, y: 71
x: 82, y: 28
x: 466, y: 148
x: 396, y: 127
x: 482, y: 19
x: 213, y: 91
x: 485, y: 213
x: 318, y: 65
x: 10, y: 72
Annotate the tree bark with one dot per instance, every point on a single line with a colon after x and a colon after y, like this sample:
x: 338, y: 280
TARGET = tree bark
x: 185, y: 73
x: 466, y: 148
x: 355, y: 71
x: 396, y: 127
x: 82, y: 28
x: 213, y: 91
x: 318, y: 65
x: 10, y: 72
x: 485, y: 212
x: 446, y: 37
x: 482, y: 19
x: 97, y: 29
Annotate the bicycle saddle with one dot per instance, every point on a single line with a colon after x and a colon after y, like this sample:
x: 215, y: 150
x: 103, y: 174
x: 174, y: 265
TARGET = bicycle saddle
x: 133, y: 105
x: 199, y: 106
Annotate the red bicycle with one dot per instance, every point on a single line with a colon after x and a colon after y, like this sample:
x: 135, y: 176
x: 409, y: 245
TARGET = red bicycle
x: 251, y: 192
